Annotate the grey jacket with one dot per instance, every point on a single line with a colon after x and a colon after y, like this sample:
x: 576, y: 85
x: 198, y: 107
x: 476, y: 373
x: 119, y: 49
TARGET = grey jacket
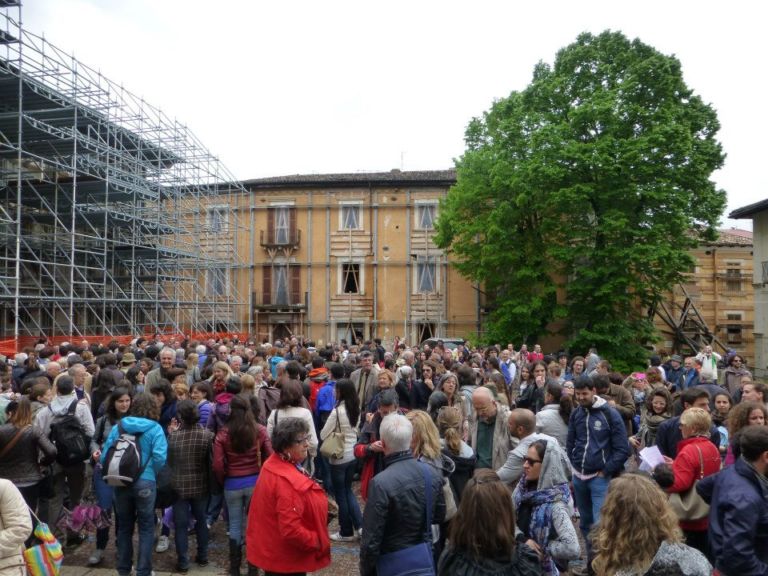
x: 549, y: 421
x: 20, y: 464
x: 674, y: 559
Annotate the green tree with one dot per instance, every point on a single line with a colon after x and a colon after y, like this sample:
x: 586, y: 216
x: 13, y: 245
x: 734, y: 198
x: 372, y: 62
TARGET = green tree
x: 595, y: 179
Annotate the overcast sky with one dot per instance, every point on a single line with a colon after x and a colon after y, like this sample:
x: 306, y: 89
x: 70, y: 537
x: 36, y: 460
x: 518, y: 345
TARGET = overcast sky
x: 289, y: 87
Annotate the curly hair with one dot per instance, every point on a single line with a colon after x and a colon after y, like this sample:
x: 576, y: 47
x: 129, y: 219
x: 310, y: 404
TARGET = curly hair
x: 738, y: 417
x: 635, y: 519
x: 426, y: 439
x: 144, y: 406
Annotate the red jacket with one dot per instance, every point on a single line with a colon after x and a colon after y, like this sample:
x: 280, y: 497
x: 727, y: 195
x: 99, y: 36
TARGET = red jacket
x: 287, y: 521
x: 230, y: 464
x: 687, y: 469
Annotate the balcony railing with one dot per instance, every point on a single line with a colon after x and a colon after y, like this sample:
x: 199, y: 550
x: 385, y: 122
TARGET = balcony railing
x: 270, y: 239
x: 291, y: 302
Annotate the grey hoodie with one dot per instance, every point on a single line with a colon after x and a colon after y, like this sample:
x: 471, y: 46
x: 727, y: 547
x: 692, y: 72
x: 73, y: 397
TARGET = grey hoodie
x: 60, y: 405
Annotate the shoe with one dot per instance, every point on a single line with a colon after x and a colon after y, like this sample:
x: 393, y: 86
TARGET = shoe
x: 337, y: 537
x: 359, y: 533
x: 162, y: 544
x: 75, y: 541
x: 201, y: 562
x: 181, y: 569
x: 95, y: 557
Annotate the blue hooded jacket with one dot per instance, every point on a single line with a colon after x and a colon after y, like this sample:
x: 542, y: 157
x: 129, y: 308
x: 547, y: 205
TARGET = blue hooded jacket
x: 597, y: 439
x: 152, y: 443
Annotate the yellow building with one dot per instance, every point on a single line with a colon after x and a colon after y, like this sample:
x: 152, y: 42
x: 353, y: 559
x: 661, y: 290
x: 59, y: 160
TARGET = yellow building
x: 348, y: 256
x: 717, y: 303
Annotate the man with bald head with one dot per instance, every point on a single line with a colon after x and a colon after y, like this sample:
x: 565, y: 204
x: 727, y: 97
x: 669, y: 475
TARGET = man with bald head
x: 488, y: 433
x: 522, y: 426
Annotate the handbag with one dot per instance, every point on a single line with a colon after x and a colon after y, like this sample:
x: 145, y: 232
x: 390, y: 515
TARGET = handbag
x: 688, y: 505
x: 450, y: 501
x: 415, y: 560
x: 333, y: 446
x: 43, y: 559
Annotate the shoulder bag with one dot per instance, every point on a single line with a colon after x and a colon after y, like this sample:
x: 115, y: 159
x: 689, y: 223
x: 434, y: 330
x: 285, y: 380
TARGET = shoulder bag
x: 11, y: 443
x: 415, y: 560
x: 688, y: 505
x: 333, y: 446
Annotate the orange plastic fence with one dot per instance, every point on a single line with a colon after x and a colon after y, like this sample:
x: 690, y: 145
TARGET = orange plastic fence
x: 10, y: 346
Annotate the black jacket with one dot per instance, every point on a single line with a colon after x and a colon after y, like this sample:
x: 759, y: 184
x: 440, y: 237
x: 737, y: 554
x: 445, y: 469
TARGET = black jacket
x: 20, y: 463
x: 668, y: 436
x: 523, y: 562
x: 395, y: 514
x: 463, y: 471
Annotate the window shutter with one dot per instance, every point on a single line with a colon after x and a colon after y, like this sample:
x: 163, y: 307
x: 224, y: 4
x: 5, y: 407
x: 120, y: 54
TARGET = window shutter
x: 267, y: 286
x: 296, y: 284
x: 270, y: 225
x: 292, y: 221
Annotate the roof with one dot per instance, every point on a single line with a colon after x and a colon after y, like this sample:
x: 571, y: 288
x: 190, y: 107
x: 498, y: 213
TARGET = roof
x: 733, y: 237
x: 750, y: 210
x: 356, y: 179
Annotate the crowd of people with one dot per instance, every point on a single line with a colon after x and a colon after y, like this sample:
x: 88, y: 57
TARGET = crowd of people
x: 470, y: 461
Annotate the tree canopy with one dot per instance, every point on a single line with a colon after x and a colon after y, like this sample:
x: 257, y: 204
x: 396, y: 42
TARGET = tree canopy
x: 578, y: 199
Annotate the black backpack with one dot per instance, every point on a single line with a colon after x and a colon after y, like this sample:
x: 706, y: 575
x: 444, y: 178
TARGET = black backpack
x: 122, y: 465
x: 67, y: 434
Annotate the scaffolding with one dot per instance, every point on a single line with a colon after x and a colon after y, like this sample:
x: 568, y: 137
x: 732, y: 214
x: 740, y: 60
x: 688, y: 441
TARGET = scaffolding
x: 114, y: 218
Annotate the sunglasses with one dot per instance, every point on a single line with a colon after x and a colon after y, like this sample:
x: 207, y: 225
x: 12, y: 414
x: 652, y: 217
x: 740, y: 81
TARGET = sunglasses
x: 531, y: 461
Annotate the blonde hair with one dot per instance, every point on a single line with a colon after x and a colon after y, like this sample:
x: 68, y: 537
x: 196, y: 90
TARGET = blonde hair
x: 635, y: 519
x: 180, y: 387
x: 426, y: 440
x: 248, y: 383
x: 192, y: 360
x: 449, y: 427
x: 221, y: 365
x: 698, y: 420
x: 388, y: 375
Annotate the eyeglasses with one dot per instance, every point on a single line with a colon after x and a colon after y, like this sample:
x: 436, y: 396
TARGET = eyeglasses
x: 303, y: 440
x: 531, y: 461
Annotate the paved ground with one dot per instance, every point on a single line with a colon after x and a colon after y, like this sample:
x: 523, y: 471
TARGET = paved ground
x: 344, y: 558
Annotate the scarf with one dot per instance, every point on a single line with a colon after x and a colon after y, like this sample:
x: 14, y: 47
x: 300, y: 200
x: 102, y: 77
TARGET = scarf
x: 542, y: 502
x: 649, y: 426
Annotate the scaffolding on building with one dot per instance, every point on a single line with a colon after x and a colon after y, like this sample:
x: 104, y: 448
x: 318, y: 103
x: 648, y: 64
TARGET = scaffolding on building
x: 114, y: 218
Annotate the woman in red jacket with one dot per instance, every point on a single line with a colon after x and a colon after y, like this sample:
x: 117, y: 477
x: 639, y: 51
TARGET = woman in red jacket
x: 239, y: 450
x: 287, y: 524
x: 697, y: 457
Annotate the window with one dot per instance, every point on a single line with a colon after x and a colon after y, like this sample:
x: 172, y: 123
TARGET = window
x: 733, y: 331
x: 350, y: 278
x: 216, y: 282
x: 425, y: 216
x: 426, y: 276
x: 280, y: 292
x: 282, y: 224
x: 733, y: 277
x: 350, y: 216
x: 217, y: 218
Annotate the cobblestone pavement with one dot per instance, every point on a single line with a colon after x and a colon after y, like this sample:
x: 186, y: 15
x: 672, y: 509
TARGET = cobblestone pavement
x: 344, y: 557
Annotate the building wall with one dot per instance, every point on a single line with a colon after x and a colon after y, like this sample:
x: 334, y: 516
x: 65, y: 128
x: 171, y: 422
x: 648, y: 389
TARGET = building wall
x: 721, y: 290
x: 389, y: 248
x: 760, y: 277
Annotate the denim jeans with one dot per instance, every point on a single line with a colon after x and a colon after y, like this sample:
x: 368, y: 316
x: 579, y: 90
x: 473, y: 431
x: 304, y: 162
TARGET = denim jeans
x: 104, y: 498
x: 215, y: 505
x: 135, y: 503
x: 237, y: 504
x: 589, y: 496
x: 181, y: 510
x: 350, y: 518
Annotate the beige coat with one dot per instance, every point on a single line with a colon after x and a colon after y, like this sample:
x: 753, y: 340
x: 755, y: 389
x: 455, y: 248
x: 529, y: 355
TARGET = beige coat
x: 15, y: 527
x: 501, y: 441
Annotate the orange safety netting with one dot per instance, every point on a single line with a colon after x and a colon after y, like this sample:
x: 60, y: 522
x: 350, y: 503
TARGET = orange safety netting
x: 11, y: 346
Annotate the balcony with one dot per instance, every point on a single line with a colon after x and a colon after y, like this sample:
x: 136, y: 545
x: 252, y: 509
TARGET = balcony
x: 269, y: 240
x: 261, y: 302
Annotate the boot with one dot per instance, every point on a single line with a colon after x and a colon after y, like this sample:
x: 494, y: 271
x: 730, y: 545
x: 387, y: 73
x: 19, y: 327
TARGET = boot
x: 235, y: 556
x: 253, y: 570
